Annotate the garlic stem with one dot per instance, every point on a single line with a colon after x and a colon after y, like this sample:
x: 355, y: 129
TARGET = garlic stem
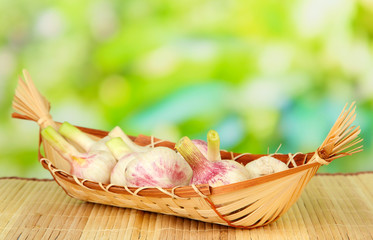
x: 213, y: 146
x: 191, y: 154
x: 118, y: 132
x: 59, y: 143
x: 118, y: 147
x: 77, y: 136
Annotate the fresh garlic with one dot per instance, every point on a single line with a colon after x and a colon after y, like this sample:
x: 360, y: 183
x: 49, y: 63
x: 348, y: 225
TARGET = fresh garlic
x: 265, y: 165
x: 214, y: 172
x: 124, y: 155
x: 118, y: 132
x: 210, y: 150
x: 202, y: 146
x: 78, y: 137
x: 158, y: 167
x: 95, y: 165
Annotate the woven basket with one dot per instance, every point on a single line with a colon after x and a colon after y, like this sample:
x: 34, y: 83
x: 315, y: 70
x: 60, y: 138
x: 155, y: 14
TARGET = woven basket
x: 248, y: 204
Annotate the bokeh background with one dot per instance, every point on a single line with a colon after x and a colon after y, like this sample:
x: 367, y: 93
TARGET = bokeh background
x: 261, y: 73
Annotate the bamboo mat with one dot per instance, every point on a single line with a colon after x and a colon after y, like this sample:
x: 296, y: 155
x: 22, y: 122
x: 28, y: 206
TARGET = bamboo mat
x: 331, y: 207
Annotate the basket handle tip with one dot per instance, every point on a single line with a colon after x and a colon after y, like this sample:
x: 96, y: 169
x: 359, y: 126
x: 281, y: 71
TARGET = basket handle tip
x: 28, y: 103
x: 341, y: 138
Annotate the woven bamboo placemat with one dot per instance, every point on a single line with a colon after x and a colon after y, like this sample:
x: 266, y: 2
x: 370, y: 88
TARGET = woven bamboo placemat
x: 331, y: 207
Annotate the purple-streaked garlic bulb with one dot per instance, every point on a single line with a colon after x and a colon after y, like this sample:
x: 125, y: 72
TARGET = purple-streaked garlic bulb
x: 201, y: 145
x: 81, y: 139
x: 94, y: 165
x: 213, y: 171
x: 265, y: 165
x: 157, y: 167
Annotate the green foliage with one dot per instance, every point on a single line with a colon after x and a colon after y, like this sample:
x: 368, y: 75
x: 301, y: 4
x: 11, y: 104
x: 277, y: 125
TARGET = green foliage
x: 259, y: 72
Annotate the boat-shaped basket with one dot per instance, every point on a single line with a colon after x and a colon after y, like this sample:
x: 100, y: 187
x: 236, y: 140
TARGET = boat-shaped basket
x: 248, y: 204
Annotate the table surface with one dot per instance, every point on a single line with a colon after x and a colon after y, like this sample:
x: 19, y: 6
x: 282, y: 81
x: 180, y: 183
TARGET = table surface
x: 332, y: 206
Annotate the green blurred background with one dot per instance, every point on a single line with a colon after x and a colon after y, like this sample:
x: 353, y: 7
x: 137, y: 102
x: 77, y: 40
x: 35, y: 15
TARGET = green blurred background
x: 261, y: 73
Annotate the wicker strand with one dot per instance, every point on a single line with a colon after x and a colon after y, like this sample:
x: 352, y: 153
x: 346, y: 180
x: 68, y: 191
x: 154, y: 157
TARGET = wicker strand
x: 305, y: 158
x: 168, y: 193
x: 81, y: 183
x: 240, y: 155
x: 51, y: 167
x: 173, y: 192
x: 198, y: 191
x: 130, y: 192
x: 230, y: 152
x: 107, y: 189
x: 152, y: 143
x: 292, y: 160
x: 229, y: 223
x: 44, y: 119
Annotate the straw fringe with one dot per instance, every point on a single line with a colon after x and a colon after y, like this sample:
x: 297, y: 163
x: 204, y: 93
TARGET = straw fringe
x: 341, y: 137
x: 29, y: 102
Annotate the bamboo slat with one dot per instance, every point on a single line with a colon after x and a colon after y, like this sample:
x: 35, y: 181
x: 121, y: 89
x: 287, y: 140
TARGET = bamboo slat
x: 331, y: 207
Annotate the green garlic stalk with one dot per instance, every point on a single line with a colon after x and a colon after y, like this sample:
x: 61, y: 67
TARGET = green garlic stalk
x: 93, y: 165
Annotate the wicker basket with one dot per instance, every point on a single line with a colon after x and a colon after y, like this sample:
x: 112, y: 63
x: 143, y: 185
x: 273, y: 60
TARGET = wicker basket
x: 248, y: 204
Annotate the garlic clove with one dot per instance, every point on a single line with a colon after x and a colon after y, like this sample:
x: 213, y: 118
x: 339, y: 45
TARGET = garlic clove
x: 265, y: 165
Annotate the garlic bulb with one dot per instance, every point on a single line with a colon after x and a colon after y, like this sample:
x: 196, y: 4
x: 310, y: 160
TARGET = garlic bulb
x: 95, y: 165
x: 265, y: 165
x: 78, y: 137
x: 201, y: 145
x: 124, y: 155
x: 118, y: 132
x: 158, y: 167
x: 214, y: 172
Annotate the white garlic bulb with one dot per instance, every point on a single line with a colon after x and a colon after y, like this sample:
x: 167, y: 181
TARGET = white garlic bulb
x: 265, y: 165
x: 94, y: 165
x: 212, y: 171
x: 158, y: 167
x: 124, y: 154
